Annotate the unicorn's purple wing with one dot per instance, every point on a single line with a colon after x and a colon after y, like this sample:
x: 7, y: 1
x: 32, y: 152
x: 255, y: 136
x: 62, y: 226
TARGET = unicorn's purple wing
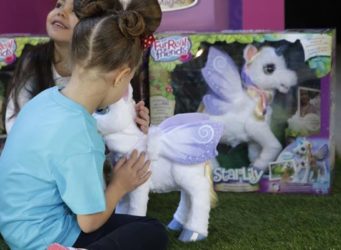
x: 223, y: 78
x: 190, y: 142
x: 322, y: 153
x: 181, y: 119
x: 214, y: 105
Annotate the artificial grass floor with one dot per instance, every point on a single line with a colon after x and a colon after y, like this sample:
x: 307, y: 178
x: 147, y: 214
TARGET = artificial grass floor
x: 262, y: 221
x: 265, y: 221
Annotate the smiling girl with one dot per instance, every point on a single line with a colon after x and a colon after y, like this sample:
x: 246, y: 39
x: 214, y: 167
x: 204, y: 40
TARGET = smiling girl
x: 48, y: 64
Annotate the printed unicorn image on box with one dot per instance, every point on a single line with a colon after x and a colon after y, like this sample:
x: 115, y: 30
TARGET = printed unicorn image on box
x: 271, y: 92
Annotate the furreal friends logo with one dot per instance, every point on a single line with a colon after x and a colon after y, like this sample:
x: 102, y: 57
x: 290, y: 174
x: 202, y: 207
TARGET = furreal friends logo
x: 239, y: 174
x: 171, y: 5
x: 171, y: 49
x: 7, y: 50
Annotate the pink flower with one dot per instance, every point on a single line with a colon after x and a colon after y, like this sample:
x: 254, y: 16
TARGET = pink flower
x: 169, y: 89
x: 186, y: 57
x: 10, y: 59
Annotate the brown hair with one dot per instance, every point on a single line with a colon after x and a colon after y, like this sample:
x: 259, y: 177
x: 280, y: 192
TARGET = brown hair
x: 34, y: 67
x: 108, y: 38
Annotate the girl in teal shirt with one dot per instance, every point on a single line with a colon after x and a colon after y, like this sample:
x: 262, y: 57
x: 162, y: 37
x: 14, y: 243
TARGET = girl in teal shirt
x: 51, y: 181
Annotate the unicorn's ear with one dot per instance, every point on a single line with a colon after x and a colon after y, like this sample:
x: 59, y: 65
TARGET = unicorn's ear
x: 249, y: 53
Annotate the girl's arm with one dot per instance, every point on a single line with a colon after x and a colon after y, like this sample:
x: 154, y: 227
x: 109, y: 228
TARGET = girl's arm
x: 127, y: 175
x: 23, y: 98
x: 10, y: 117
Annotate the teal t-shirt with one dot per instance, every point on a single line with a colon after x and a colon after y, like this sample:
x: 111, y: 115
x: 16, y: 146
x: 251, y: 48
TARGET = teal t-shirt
x: 50, y: 169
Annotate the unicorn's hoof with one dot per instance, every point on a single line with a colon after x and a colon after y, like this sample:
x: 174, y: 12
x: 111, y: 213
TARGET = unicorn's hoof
x: 175, y: 225
x: 189, y: 235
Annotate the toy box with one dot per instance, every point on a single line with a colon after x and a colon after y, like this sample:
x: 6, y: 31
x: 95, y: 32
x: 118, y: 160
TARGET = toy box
x: 208, y: 15
x: 11, y: 47
x: 272, y: 92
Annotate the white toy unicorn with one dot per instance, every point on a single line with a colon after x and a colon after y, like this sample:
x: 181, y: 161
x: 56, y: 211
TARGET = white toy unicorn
x: 242, y: 102
x: 179, y: 149
x: 310, y: 165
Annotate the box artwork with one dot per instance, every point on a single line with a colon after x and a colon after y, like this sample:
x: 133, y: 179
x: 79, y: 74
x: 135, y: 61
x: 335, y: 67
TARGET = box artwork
x: 272, y: 92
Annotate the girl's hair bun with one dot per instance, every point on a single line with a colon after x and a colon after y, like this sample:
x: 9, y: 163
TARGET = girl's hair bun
x: 150, y: 10
x: 131, y: 23
x: 91, y: 8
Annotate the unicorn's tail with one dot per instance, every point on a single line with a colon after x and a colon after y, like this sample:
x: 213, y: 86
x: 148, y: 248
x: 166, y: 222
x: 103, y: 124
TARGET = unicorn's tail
x: 209, y: 175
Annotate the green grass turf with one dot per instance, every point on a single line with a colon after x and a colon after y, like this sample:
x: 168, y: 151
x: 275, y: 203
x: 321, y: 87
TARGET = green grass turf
x: 262, y: 221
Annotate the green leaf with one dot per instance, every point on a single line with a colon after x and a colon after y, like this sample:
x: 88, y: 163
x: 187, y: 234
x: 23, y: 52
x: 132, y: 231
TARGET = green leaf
x: 321, y: 65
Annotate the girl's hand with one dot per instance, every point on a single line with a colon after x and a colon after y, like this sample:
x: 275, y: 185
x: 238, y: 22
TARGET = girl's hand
x: 130, y: 173
x: 127, y: 175
x: 142, y: 118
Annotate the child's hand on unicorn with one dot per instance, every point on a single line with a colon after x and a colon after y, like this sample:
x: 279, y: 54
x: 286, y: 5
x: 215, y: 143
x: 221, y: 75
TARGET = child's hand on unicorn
x: 130, y: 173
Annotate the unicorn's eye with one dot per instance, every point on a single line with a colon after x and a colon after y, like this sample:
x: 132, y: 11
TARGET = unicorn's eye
x: 269, y: 68
x: 102, y: 111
